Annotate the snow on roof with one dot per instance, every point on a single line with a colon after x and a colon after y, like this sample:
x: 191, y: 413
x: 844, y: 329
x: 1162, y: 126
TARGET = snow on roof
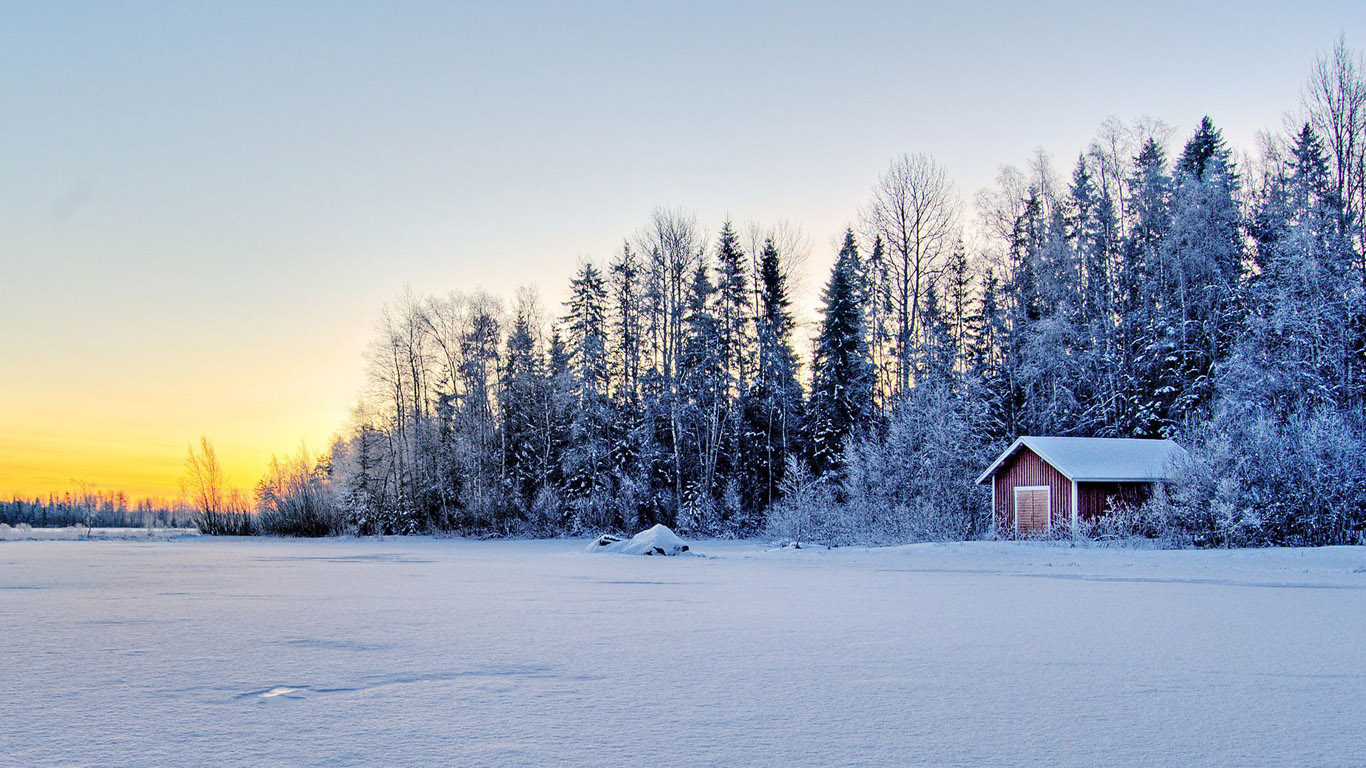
x: 1099, y: 459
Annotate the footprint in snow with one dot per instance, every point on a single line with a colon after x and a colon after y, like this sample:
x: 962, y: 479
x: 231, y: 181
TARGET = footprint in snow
x: 278, y: 692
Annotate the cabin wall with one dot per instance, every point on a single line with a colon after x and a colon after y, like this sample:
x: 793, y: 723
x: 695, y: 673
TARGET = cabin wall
x: 1025, y: 468
x: 1094, y: 499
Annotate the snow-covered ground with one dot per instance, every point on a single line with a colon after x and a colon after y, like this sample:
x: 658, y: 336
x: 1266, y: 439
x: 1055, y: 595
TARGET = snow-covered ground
x: 73, y: 532
x: 214, y: 652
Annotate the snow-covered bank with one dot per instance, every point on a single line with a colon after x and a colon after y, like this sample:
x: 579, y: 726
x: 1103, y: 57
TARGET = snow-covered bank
x: 522, y: 653
x: 24, y: 532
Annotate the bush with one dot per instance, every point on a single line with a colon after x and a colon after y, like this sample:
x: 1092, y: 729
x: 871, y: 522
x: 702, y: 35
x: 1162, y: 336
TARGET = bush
x: 230, y: 518
x: 1256, y: 480
x: 295, y: 499
x: 917, y: 482
x: 806, y: 510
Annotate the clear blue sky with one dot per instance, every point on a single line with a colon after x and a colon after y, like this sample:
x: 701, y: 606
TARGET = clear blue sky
x: 203, y: 206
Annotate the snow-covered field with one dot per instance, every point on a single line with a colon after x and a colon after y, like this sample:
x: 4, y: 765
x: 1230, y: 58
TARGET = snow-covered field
x: 202, y: 651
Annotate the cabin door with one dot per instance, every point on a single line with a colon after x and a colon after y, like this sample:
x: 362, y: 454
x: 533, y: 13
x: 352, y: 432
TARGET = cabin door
x: 1031, y: 509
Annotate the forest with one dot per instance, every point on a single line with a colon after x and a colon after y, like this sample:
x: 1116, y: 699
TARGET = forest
x: 1162, y: 284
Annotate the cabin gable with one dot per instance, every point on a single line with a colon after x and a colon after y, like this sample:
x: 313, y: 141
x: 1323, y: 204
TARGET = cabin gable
x: 1027, y: 471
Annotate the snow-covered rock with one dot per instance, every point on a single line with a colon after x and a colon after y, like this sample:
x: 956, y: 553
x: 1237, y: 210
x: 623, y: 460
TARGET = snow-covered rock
x: 605, y: 540
x: 659, y: 540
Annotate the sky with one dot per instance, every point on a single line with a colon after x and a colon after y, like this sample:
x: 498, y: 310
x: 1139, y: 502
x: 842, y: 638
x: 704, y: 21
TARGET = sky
x: 203, y: 207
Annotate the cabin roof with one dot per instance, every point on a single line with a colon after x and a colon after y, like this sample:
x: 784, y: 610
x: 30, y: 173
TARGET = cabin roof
x: 1098, y: 459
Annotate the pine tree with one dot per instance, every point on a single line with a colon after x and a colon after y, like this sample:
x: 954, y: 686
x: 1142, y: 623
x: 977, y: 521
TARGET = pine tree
x: 1099, y: 388
x: 939, y: 350
x: 879, y: 318
x: 1023, y: 309
x: 733, y: 310
x: 841, y: 385
x: 588, y: 458
x: 473, y: 427
x: 772, y: 408
x: 1143, y: 344
x: 1298, y: 352
x: 702, y: 393
x: 1197, y: 293
x: 958, y: 291
x: 1205, y: 145
x: 1046, y: 346
x: 626, y: 290
x: 627, y: 364
x: 524, y: 409
x: 986, y: 356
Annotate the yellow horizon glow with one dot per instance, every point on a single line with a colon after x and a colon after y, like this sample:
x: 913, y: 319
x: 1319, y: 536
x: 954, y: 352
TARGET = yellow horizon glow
x: 36, y: 466
x: 130, y: 433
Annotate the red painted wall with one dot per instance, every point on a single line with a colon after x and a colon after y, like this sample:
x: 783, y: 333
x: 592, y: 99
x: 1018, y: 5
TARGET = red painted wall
x: 1092, y: 498
x: 1026, y: 468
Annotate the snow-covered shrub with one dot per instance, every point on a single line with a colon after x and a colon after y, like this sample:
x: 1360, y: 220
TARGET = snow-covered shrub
x: 806, y: 508
x: 1253, y: 480
x: 732, y: 508
x: 626, y: 502
x: 232, y: 518
x: 1127, y: 523
x: 916, y: 482
x: 700, y: 515
x: 546, y: 510
x: 295, y: 499
x: 592, y: 511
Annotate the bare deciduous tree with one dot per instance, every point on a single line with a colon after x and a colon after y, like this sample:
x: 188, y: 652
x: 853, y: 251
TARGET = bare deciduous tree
x: 1111, y: 155
x: 218, y: 510
x: 673, y: 246
x: 1335, y: 100
x: 915, y: 211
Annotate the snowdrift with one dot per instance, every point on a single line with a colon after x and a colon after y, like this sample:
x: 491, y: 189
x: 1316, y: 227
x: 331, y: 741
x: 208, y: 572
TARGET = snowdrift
x: 658, y: 540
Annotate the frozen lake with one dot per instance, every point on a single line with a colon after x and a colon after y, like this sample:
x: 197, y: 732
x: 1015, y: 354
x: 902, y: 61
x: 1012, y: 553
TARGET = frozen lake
x: 435, y: 652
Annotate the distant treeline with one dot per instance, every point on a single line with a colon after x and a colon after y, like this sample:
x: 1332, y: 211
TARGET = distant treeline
x: 96, y: 509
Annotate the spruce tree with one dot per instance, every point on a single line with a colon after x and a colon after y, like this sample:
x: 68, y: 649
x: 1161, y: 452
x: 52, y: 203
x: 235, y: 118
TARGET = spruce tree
x: 733, y: 309
x: 524, y: 411
x: 1143, y: 345
x: 841, y: 382
x: 588, y: 458
x: 1298, y: 351
x: 772, y: 408
x: 1197, y: 292
x: 702, y: 395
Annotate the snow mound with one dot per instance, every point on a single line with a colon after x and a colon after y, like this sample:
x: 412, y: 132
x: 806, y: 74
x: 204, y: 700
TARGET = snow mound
x: 658, y: 540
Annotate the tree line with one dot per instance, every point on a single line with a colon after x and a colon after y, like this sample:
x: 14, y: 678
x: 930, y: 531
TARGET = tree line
x: 1213, y: 298
x: 93, y: 508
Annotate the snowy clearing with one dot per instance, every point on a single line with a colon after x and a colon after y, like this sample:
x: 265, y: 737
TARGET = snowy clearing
x: 424, y: 652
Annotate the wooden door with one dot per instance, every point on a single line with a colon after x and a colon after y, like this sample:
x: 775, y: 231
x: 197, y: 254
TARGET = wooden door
x: 1031, y: 509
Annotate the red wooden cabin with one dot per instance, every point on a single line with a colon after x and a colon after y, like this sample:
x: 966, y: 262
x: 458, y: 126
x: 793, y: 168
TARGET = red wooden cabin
x: 1043, y: 483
